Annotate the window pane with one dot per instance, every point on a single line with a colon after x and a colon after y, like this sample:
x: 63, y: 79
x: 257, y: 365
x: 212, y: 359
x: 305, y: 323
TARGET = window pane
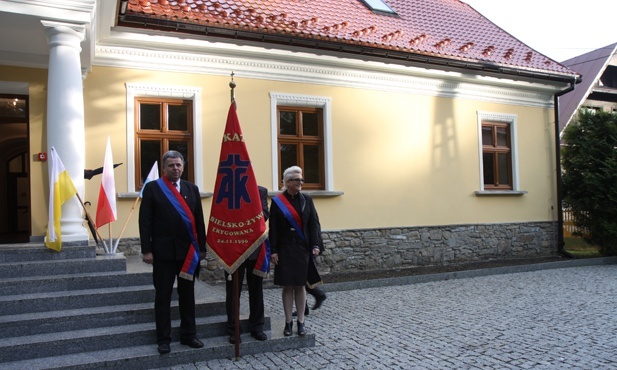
x: 487, y: 136
x: 288, y: 123
x: 13, y: 108
x: 310, y: 124
x: 16, y: 165
x: 487, y: 166
x: 311, y: 163
x: 177, y: 117
x: 378, y: 5
x: 183, y: 148
x: 504, y: 159
x: 289, y: 157
x: 150, y: 152
x: 150, y: 117
x: 502, y: 136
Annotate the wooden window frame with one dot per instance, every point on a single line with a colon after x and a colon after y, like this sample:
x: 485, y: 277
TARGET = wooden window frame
x: 164, y: 135
x: 496, y: 149
x: 301, y: 140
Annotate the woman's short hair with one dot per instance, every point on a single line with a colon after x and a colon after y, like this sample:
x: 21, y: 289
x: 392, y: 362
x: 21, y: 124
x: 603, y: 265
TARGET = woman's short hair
x: 288, y: 173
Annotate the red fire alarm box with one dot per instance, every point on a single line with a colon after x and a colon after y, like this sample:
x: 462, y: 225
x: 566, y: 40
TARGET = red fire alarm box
x: 42, y: 156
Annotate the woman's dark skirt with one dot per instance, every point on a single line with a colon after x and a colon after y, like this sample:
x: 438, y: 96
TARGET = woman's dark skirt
x: 292, y: 268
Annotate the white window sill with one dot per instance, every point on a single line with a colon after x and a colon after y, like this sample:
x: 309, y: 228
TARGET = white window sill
x: 209, y: 194
x: 500, y: 192
x: 314, y: 193
x: 135, y: 195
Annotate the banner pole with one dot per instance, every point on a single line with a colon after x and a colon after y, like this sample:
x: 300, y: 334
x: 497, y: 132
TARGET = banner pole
x: 236, y: 283
x: 237, y: 312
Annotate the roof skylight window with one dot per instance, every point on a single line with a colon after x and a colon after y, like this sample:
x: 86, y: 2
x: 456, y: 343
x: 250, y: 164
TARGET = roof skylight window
x: 378, y: 6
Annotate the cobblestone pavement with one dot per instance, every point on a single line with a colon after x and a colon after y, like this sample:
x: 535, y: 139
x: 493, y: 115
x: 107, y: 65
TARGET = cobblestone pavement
x: 549, y: 319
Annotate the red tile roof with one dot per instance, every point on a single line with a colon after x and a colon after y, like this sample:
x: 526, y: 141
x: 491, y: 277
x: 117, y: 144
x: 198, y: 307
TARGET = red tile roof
x: 447, y: 29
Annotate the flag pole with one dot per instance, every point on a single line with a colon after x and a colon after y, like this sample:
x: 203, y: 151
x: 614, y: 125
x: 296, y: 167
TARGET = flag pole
x: 126, y: 223
x: 89, y: 218
x: 111, y: 242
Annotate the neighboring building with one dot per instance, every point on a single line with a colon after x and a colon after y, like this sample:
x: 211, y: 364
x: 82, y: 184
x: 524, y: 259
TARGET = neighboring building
x: 596, y: 92
x: 598, y: 88
x: 425, y: 131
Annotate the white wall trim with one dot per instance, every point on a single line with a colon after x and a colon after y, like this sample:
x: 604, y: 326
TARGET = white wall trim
x: 11, y: 87
x: 134, y: 90
x: 300, y: 67
x: 299, y: 100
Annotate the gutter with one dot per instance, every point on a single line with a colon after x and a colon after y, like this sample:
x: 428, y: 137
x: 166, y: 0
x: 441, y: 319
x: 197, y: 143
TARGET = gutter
x: 560, y: 241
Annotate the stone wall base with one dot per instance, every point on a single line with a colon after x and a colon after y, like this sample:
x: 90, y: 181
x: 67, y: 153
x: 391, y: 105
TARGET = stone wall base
x: 396, y: 248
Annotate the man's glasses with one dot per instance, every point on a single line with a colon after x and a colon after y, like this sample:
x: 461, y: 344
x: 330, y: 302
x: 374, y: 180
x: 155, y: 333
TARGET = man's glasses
x: 297, y: 180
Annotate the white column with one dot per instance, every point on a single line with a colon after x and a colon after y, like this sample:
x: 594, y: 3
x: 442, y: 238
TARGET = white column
x: 65, y: 116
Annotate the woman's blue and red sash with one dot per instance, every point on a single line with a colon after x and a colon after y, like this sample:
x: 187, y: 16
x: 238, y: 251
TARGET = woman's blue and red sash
x: 192, y: 257
x: 290, y: 214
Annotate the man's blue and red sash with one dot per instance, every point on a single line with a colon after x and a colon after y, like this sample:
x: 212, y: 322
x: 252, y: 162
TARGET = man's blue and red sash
x: 290, y: 214
x: 262, y: 265
x: 192, y: 257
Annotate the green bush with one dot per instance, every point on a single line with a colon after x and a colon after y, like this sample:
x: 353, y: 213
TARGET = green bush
x: 589, y: 162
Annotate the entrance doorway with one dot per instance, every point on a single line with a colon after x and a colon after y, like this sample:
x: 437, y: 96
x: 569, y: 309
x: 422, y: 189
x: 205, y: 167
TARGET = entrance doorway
x: 14, y: 169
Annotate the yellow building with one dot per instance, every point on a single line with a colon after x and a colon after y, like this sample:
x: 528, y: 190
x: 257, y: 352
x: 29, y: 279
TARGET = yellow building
x: 422, y: 143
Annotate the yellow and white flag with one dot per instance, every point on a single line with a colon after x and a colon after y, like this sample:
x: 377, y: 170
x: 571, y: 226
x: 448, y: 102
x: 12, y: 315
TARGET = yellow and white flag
x: 61, y: 189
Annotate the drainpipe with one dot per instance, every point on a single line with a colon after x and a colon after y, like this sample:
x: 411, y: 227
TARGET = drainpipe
x: 560, y: 241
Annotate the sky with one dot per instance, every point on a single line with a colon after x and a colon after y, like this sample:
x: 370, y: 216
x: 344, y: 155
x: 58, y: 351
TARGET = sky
x: 556, y: 28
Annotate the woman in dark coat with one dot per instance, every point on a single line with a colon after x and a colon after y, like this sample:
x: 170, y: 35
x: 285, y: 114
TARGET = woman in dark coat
x: 293, y: 240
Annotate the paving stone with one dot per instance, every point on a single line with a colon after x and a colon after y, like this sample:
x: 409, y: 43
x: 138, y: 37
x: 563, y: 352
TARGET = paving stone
x: 558, y: 318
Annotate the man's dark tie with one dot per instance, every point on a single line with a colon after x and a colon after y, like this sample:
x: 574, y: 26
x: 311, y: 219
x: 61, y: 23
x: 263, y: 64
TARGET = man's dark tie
x: 176, y: 185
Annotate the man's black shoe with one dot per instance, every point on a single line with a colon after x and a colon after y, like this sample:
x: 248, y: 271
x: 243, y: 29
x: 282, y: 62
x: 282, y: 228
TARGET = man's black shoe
x: 232, y: 339
x: 164, y: 348
x: 259, y: 335
x: 193, y: 343
x: 319, y: 300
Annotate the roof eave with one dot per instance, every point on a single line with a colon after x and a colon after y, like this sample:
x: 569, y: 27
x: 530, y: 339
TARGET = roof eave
x: 357, y: 48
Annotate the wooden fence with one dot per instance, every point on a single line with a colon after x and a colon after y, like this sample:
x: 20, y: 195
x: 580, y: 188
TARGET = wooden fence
x: 569, y: 228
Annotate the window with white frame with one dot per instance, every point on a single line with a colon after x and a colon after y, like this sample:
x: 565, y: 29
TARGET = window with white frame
x: 160, y: 118
x: 498, y: 159
x: 301, y: 136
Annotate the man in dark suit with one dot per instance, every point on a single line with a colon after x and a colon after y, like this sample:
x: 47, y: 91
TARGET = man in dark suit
x: 173, y: 240
x: 254, y: 283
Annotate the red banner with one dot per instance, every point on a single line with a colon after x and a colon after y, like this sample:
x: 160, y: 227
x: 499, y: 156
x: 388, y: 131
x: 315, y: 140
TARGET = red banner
x: 236, y: 226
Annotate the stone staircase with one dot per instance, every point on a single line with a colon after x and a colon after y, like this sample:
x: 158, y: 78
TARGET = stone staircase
x: 79, y: 310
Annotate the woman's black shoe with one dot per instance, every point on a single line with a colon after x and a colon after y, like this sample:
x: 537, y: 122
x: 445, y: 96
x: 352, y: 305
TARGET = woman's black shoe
x: 301, y: 330
x: 319, y: 300
x: 288, y: 328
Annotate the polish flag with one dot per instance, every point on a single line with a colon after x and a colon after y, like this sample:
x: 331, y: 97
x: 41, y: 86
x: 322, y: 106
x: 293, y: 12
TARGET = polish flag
x: 106, y: 207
